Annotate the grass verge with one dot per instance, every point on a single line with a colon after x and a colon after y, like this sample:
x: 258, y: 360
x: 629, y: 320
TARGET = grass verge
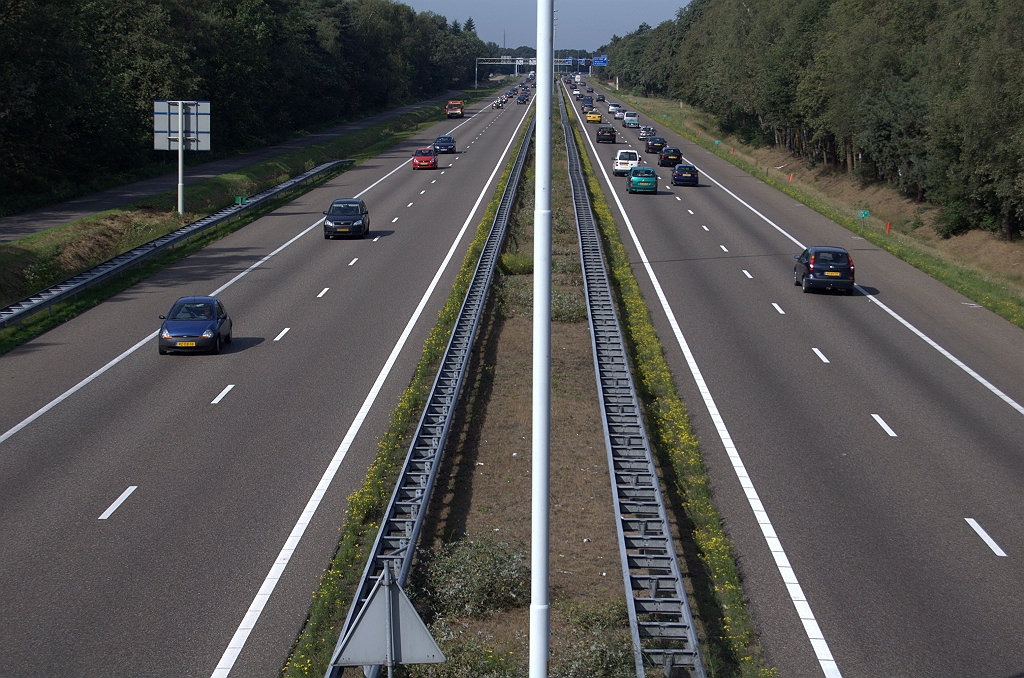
x: 43, y: 259
x: 984, y: 289
x: 312, y: 650
x: 729, y: 645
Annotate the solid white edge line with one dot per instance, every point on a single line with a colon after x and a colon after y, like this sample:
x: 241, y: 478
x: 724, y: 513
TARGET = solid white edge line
x: 223, y: 393
x: 71, y: 391
x: 885, y: 427
x: 118, y: 502
x: 283, y: 332
x: 778, y: 308
x: 820, y: 355
x: 987, y: 539
x: 241, y: 635
x: 928, y: 340
x: 796, y: 594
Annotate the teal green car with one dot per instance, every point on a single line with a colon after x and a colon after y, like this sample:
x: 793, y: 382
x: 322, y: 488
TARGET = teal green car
x: 642, y: 180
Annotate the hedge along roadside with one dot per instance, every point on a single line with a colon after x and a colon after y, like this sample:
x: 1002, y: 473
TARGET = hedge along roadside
x: 676, y: 445
x: 969, y: 282
x: 312, y: 650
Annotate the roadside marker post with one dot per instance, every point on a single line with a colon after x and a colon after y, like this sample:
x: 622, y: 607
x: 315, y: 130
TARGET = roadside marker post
x: 790, y: 177
x: 888, y: 225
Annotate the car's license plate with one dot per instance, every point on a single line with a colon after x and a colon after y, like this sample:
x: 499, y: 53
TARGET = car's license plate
x: 342, y: 230
x: 832, y: 274
x: 185, y: 344
x: 687, y: 175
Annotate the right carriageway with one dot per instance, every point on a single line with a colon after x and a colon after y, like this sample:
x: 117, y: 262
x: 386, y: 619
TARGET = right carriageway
x: 866, y: 452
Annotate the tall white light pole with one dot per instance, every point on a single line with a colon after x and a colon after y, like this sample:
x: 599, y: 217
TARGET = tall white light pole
x: 540, y: 615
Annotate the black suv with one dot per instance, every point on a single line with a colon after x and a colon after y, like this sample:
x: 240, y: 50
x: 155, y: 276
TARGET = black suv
x: 827, y: 267
x: 655, y: 144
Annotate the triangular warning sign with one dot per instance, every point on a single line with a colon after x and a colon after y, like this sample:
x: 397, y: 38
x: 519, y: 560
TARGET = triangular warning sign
x: 388, y: 609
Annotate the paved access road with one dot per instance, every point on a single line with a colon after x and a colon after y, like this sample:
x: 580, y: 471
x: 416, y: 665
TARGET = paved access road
x: 326, y: 337
x: 33, y: 221
x: 848, y: 452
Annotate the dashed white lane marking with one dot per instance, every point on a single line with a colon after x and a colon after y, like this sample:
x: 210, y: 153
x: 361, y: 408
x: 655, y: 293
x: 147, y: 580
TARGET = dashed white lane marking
x: 924, y: 337
x: 679, y: 199
x: 322, y: 292
x: 434, y: 181
x: 283, y: 332
x: 705, y: 228
x: 690, y: 211
x: 423, y: 191
x: 223, y: 393
x: 885, y: 427
x: 409, y: 205
x: 747, y: 273
x: 353, y: 261
x: 778, y: 308
x: 443, y: 171
x: 252, y: 615
x: 820, y: 355
x: 724, y: 248
x: 987, y: 539
x: 125, y: 495
x: 796, y: 592
x: 376, y: 239
x: 394, y: 220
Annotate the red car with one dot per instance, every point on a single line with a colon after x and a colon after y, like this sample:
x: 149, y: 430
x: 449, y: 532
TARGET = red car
x: 424, y: 158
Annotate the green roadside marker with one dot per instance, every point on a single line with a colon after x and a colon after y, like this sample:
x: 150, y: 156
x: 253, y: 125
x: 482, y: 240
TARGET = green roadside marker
x: 241, y: 200
x: 718, y: 142
x: 863, y: 214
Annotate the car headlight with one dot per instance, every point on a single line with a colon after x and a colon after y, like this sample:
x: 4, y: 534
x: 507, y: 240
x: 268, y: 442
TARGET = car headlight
x: 208, y: 334
x: 358, y: 223
x: 164, y: 334
x: 328, y: 222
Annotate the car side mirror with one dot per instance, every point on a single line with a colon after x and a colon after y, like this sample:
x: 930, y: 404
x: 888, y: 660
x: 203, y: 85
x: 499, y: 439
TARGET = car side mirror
x: 366, y: 212
x: 797, y: 257
x: 162, y: 317
x: 325, y: 211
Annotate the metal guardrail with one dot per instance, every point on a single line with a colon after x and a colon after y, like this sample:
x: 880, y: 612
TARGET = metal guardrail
x: 74, y: 285
x: 659, y: 611
x: 400, y: 529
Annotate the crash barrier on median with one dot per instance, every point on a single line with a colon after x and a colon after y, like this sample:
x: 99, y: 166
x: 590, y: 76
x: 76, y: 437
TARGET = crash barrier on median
x: 76, y: 284
x: 403, y: 518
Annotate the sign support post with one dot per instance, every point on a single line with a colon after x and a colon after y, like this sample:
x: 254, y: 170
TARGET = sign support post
x: 180, y: 126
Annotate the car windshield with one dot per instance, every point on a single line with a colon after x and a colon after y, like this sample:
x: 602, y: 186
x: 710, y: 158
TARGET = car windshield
x: 643, y: 172
x: 345, y: 209
x: 424, y: 151
x: 627, y: 155
x: 837, y: 258
x: 445, y: 140
x: 197, y: 310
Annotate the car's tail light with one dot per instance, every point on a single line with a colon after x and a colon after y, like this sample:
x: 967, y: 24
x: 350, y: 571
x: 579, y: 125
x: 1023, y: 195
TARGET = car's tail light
x: 851, y: 268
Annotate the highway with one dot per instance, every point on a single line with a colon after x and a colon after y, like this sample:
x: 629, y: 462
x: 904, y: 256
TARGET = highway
x: 865, y: 451
x: 241, y: 462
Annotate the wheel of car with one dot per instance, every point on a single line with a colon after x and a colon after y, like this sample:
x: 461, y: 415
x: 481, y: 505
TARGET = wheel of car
x: 796, y: 278
x: 806, y: 285
x: 366, y: 232
x: 327, y: 236
x: 849, y: 291
x: 227, y: 339
x: 216, y: 345
x: 161, y: 351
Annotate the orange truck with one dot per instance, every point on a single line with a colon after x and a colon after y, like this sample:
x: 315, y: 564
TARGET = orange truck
x: 455, y: 108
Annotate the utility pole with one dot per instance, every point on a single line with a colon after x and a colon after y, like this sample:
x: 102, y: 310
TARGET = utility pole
x: 540, y: 613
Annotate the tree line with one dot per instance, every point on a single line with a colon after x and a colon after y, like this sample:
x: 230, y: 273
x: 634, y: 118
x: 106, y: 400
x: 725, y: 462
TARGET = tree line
x: 78, y: 77
x: 927, y: 95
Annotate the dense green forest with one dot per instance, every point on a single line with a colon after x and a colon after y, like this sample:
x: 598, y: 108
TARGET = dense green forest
x: 927, y: 95
x: 78, y: 77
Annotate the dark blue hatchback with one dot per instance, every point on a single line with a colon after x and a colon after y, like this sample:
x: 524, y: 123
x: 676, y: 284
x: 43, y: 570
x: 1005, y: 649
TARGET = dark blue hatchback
x: 685, y: 175
x: 829, y: 268
x: 444, y: 144
x: 195, y: 325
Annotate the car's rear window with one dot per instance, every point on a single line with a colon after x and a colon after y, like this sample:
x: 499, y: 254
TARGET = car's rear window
x: 685, y: 168
x: 657, y: 140
x: 191, y: 311
x: 668, y: 150
x: 837, y: 258
x: 627, y: 155
x: 643, y: 172
x: 632, y: 114
x: 343, y: 210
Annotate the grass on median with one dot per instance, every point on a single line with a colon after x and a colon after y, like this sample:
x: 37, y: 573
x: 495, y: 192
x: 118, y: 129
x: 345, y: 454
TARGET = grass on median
x: 312, y: 650
x: 729, y: 645
x: 998, y: 293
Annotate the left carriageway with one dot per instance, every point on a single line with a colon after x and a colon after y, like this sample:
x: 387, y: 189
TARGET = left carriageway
x: 242, y: 496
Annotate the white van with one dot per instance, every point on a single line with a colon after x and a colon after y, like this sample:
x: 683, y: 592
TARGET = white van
x: 631, y: 119
x: 625, y: 161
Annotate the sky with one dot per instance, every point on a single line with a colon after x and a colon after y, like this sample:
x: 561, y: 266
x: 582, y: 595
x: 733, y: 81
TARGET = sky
x: 579, y: 24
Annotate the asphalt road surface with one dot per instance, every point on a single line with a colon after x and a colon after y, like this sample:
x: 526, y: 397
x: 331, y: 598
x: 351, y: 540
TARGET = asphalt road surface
x: 230, y: 483
x: 33, y: 221
x: 866, y: 458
